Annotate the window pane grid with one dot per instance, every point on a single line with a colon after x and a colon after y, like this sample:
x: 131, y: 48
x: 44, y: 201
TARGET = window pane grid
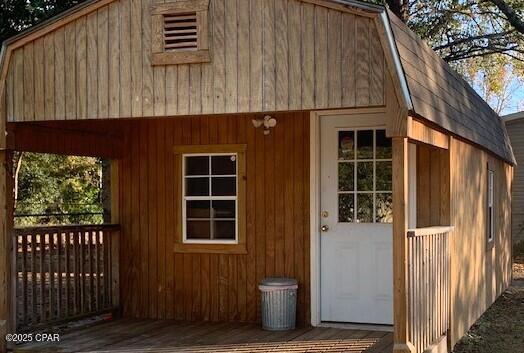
x: 213, y: 176
x: 216, y: 225
x: 361, y: 160
x: 361, y: 192
x: 355, y: 158
x: 210, y: 218
x: 212, y: 198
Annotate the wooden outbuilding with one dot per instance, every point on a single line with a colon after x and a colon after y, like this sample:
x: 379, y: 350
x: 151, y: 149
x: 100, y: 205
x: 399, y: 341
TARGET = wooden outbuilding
x: 315, y: 139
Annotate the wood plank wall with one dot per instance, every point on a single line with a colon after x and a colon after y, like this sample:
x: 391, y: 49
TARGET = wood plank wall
x: 432, y: 186
x: 515, y: 130
x: 80, y: 138
x: 479, y: 273
x: 156, y: 282
x: 267, y: 55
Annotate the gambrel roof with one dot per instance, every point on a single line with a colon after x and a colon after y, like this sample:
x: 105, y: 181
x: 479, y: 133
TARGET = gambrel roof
x: 442, y: 96
x: 426, y: 85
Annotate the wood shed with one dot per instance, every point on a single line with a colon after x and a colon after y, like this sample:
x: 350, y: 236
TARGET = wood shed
x: 315, y: 139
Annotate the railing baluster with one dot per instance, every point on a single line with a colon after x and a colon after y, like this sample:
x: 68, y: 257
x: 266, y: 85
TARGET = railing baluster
x: 110, y: 267
x: 438, y: 307
x: 67, y: 243
x: 51, y: 275
x: 106, y: 269
x: 42, y: 277
x: 33, y: 279
x: 82, y: 271
x: 24, y: 278
x: 432, y: 288
x: 411, y: 272
x: 76, y: 270
x: 59, y: 274
x: 97, y: 269
x: 90, y: 268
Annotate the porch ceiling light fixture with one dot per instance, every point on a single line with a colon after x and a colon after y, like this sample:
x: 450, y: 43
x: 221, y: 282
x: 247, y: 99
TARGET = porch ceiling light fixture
x: 267, y: 122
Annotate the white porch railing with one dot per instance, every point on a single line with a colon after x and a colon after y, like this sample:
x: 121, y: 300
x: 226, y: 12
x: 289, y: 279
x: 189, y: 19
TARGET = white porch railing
x: 428, y: 280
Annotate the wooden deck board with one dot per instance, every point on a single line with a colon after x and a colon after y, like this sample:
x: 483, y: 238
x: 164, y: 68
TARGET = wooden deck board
x: 167, y: 336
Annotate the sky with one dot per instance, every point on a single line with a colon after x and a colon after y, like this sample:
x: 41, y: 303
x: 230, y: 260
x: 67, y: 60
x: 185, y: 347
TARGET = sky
x: 517, y: 100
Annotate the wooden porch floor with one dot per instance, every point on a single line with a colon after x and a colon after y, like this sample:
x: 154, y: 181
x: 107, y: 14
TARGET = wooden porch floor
x: 164, y: 336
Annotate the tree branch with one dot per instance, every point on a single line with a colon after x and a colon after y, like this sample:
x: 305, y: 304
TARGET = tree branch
x: 510, y: 13
x: 471, y: 39
x: 483, y: 51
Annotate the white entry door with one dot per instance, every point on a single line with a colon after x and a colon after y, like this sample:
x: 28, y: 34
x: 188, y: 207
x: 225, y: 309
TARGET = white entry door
x: 356, y: 215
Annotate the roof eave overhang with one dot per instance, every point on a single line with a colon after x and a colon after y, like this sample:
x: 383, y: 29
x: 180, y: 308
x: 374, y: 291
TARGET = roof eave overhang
x: 513, y: 117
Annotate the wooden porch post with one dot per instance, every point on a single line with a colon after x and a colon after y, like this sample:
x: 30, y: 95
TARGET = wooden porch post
x: 6, y: 225
x: 400, y: 227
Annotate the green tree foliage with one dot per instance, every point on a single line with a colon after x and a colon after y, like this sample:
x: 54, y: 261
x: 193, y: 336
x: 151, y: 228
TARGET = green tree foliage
x: 481, y: 39
x: 17, y: 15
x: 478, y: 40
x: 66, y: 188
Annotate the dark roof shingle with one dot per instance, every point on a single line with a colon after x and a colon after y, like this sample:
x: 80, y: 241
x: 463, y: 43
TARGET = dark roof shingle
x: 442, y: 96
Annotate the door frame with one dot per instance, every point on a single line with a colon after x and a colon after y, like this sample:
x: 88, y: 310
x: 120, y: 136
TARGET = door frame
x: 314, y: 199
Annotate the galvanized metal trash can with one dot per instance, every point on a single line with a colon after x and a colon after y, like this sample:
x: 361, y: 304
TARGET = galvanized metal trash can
x: 279, y: 303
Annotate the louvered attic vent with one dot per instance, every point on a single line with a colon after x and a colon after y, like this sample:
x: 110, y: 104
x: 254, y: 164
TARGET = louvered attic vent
x: 180, y: 32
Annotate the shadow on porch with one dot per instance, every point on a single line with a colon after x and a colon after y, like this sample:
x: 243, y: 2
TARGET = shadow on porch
x: 137, y: 336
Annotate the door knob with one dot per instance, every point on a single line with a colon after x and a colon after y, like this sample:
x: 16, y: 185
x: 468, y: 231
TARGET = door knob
x: 324, y: 228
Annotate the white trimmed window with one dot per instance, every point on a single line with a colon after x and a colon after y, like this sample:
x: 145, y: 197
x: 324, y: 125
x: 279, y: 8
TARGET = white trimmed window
x: 490, y: 221
x: 210, y: 208
x: 211, y: 188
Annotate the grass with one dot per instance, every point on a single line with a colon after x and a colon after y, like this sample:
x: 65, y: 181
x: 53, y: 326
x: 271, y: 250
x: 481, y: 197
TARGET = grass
x: 501, y: 328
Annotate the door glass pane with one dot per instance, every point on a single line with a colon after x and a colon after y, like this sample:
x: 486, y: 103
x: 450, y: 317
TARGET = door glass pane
x: 223, y: 165
x: 384, y: 210
x: 346, y: 176
x: 197, y: 186
x: 384, y: 176
x: 197, y: 209
x: 198, y: 230
x: 224, y: 230
x: 346, y: 207
x: 371, y: 180
x: 384, y: 149
x: 365, y: 208
x: 365, y: 176
x: 346, y: 145
x: 225, y: 186
x: 198, y: 165
x: 365, y: 144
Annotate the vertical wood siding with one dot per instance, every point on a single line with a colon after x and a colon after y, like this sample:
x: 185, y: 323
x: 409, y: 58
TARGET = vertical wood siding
x: 478, y: 274
x: 156, y: 282
x: 266, y: 55
x: 515, y: 130
x: 432, y: 186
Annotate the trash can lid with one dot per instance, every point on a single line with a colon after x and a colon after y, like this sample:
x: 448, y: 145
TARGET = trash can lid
x: 278, y: 281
